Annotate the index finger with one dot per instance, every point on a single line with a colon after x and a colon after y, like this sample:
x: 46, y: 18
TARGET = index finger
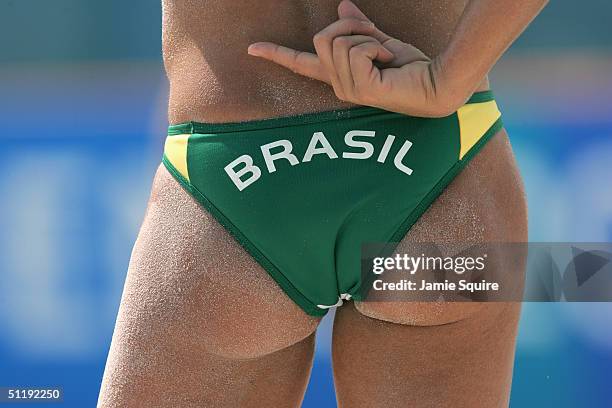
x: 300, y: 62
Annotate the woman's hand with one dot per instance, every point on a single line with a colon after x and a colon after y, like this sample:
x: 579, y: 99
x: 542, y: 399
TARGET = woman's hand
x: 367, y: 67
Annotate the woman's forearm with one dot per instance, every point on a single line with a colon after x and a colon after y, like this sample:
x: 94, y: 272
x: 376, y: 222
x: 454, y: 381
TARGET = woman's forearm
x: 485, y: 31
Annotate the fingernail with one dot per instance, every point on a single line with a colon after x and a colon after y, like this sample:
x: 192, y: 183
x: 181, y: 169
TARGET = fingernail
x: 252, y: 50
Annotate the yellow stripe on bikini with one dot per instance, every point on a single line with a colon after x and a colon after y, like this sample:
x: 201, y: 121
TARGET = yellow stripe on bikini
x: 474, y: 121
x: 175, y: 150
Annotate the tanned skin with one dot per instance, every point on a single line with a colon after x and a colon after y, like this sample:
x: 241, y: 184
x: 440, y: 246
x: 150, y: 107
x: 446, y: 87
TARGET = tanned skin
x: 201, y: 324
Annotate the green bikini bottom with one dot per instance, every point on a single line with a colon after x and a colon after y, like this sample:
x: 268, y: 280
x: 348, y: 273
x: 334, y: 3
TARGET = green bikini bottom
x: 301, y: 194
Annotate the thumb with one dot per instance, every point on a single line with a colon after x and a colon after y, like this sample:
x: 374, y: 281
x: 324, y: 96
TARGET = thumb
x: 348, y: 9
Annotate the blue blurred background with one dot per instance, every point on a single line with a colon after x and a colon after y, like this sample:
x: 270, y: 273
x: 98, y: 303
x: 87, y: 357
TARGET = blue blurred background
x: 82, y: 119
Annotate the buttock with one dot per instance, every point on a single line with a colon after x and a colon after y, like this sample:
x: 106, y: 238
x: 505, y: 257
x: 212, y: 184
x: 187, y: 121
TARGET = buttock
x: 484, y: 203
x: 190, y: 284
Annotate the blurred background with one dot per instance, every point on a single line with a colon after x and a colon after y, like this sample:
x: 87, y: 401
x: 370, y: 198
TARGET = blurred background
x: 82, y: 120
